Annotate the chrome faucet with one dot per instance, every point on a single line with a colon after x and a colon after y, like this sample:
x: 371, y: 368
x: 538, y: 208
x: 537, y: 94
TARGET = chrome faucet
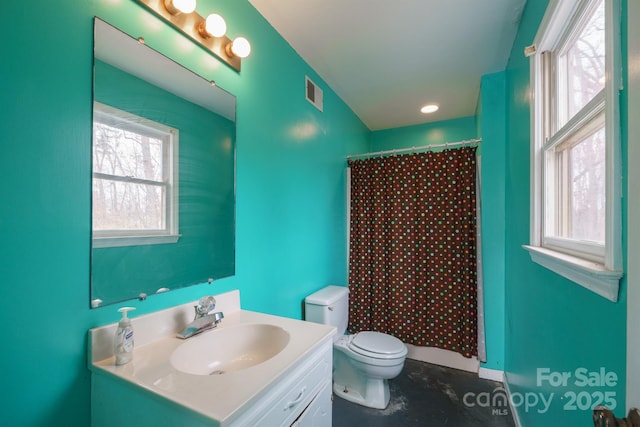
x: 204, y: 319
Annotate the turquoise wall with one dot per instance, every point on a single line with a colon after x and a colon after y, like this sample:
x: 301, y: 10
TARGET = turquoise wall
x: 492, y: 128
x: 290, y: 189
x: 478, y: 114
x: 550, y: 322
x: 426, y: 134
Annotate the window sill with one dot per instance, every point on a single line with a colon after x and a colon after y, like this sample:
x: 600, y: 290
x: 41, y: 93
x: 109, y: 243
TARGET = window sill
x: 588, y: 274
x: 113, y: 242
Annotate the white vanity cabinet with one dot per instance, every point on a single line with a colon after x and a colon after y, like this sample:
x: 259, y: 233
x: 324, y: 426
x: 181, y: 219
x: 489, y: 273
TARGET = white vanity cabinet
x: 319, y: 411
x: 301, y: 398
x: 291, y: 388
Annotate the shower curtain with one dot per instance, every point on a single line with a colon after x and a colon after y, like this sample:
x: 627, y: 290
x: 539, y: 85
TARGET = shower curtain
x: 412, y: 252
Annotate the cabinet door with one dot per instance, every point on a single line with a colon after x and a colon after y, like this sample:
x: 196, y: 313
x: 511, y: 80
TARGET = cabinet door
x: 319, y: 411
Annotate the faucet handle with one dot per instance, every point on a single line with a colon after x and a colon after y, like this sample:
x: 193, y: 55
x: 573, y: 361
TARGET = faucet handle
x: 205, y: 306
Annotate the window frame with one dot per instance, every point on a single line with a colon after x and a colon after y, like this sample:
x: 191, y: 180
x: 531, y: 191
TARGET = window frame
x: 115, y: 117
x: 595, y: 267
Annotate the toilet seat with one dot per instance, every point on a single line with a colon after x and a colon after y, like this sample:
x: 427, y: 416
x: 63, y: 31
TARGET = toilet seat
x: 377, y: 345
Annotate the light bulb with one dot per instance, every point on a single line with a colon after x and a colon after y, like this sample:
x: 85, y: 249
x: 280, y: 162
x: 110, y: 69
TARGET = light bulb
x: 180, y: 6
x: 430, y: 108
x: 214, y: 26
x: 241, y: 47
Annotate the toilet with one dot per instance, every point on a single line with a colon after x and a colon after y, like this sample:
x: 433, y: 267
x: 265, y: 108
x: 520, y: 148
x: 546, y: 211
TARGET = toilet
x: 362, y: 362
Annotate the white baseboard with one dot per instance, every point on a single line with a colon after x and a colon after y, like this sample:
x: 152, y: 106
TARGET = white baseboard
x: 491, y: 374
x: 441, y: 357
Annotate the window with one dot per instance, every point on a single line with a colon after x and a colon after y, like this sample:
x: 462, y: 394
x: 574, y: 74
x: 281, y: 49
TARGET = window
x: 575, y: 206
x: 135, y: 180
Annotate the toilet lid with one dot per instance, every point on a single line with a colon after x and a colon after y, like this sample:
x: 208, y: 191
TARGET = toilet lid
x: 377, y: 344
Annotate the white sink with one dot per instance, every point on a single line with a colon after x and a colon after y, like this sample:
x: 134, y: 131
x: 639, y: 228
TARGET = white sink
x: 229, y: 349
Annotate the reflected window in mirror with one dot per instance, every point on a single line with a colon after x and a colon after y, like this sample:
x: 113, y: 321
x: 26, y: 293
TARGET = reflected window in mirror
x: 135, y: 179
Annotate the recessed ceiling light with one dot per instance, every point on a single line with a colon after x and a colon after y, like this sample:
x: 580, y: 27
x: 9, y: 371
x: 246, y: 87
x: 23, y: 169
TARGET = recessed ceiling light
x: 429, y: 108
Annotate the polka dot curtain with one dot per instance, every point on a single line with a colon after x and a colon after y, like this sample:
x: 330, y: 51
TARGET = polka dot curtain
x: 412, y: 257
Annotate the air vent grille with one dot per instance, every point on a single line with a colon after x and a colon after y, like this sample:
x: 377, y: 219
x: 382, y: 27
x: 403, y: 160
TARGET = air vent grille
x: 313, y: 93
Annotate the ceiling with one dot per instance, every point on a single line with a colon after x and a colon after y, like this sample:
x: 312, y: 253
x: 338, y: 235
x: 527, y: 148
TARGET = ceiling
x: 386, y: 59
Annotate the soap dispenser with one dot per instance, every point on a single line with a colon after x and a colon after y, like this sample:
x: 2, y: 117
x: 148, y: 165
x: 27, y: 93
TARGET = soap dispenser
x: 123, y: 339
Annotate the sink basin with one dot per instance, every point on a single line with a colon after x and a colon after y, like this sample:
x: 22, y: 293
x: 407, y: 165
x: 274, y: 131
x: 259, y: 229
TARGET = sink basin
x: 229, y: 349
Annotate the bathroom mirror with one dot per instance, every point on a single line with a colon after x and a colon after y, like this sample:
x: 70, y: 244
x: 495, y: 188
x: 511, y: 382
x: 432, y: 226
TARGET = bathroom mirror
x: 163, y: 173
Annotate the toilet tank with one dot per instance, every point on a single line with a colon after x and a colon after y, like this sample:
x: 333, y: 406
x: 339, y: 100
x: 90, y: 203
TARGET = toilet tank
x: 329, y: 306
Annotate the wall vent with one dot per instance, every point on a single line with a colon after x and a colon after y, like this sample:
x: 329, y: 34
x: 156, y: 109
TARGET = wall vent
x: 313, y: 93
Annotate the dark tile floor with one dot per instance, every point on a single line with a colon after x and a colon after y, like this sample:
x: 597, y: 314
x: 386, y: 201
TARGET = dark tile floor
x: 430, y: 395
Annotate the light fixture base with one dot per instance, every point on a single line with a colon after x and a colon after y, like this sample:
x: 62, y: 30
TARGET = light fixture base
x: 188, y: 24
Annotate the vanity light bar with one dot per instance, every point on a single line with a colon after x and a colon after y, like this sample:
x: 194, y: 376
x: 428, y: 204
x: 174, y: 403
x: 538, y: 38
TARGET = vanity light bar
x: 192, y: 24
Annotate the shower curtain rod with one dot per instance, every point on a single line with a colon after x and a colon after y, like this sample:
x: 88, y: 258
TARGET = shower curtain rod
x: 422, y: 148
